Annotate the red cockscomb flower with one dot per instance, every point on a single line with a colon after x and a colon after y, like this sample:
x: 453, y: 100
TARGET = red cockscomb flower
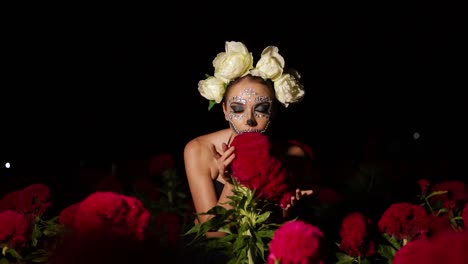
x: 448, y: 247
x: 424, y: 186
x: 14, y: 228
x: 456, y: 193
x: 417, y: 251
x: 67, y: 215
x: 438, y: 224
x: 256, y: 168
x: 34, y: 199
x: 296, y: 242
x: 160, y: 163
x: 113, y: 214
x: 168, y: 226
x: 355, y: 238
x: 404, y: 221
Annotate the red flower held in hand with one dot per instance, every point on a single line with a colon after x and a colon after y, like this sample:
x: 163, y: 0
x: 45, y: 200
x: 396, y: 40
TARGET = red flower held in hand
x: 404, y: 221
x: 256, y: 168
x: 296, y: 242
x: 355, y: 240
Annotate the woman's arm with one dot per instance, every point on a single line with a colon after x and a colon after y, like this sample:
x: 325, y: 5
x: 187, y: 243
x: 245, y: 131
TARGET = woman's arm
x: 198, y: 159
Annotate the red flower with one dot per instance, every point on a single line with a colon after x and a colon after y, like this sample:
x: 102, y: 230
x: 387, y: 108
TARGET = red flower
x: 438, y: 224
x: 33, y: 199
x: 14, y: 228
x: 424, y: 186
x: 456, y: 193
x: 355, y: 239
x: 160, y: 163
x: 256, y: 168
x: 67, y: 215
x: 327, y: 195
x: 111, y: 214
x: 448, y: 247
x: 9, y: 201
x: 147, y: 188
x: 109, y: 183
x: 296, y: 242
x: 168, y: 226
x: 404, y: 221
x: 417, y: 251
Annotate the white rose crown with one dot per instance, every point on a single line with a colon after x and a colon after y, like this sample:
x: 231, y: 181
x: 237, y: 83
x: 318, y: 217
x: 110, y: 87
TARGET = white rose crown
x: 237, y: 61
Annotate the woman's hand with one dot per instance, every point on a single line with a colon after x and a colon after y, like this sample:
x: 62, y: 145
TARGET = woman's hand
x: 224, y: 159
x: 294, y: 199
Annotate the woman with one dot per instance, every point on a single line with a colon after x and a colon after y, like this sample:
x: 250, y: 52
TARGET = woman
x: 249, y: 98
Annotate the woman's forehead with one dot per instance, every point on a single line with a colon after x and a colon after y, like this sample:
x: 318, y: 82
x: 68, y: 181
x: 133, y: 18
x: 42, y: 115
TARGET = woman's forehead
x: 249, y: 90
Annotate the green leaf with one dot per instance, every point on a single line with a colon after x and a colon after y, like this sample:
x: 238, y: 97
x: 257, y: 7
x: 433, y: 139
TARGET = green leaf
x: 343, y: 258
x: 436, y: 193
x: 263, y: 217
x: 14, y: 253
x: 392, y: 240
x: 387, y: 252
x: 211, y: 104
x: 4, y: 261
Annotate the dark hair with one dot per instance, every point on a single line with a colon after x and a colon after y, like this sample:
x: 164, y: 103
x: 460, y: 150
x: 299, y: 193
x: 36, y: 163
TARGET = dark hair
x: 267, y: 82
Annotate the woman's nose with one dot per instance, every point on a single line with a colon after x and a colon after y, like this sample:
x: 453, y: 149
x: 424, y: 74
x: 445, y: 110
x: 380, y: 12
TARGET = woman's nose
x: 251, y: 122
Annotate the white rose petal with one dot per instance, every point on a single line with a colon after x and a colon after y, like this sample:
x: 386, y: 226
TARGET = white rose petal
x: 288, y: 89
x: 270, y: 65
x: 234, y: 63
x: 212, y: 88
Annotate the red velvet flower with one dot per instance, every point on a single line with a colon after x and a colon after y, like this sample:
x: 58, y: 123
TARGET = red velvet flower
x: 14, y: 228
x: 112, y: 214
x: 33, y: 199
x: 438, y: 224
x: 169, y: 226
x: 67, y: 215
x: 456, y: 195
x: 296, y: 242
x: 417, y: 251
x: 424, y: 186
x: 160, y: 163
x: 404, y: 221
x: 355, y: 238
x: 448, y: 247
x: 256, y: 168
x: 147, y: 188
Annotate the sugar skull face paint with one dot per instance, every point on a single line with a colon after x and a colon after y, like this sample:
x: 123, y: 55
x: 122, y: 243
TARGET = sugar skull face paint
x: 249, y: 109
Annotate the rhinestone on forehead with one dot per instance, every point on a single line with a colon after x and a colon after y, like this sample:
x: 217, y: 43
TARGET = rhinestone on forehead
x: 249, y: 94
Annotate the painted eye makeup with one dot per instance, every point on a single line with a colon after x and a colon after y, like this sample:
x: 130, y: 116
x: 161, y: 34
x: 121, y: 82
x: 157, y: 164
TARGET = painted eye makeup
x: 237, y: 108
x: 263, y: 108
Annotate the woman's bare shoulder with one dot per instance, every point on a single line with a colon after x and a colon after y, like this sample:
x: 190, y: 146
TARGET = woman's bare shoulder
x: 203, y: 143
x: 298, y: 148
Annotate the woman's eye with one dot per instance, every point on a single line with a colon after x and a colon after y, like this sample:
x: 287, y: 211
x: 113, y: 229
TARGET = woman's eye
x: 263, y: 108
x: 237, y: 108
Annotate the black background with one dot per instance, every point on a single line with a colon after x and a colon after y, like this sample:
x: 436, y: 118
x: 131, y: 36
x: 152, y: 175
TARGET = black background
x: 123, y: 84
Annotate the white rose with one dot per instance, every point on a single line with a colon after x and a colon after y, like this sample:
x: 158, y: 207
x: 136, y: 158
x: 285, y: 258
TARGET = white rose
x: 212, y: 88
x: 235, y: 62
x: 288, y: 89
x: 270, y: 65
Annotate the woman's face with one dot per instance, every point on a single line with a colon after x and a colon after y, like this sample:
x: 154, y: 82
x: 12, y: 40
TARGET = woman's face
x: 248, y: 106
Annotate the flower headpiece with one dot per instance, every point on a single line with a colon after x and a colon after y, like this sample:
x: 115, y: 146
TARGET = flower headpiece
x: 237, y: 62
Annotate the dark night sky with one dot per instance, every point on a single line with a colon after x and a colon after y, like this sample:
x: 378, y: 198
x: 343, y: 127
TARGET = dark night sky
x: 111, y: 87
